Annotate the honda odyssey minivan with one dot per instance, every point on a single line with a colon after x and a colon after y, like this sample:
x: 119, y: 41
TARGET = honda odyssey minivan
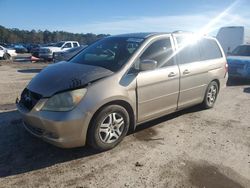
x: 118, y: 83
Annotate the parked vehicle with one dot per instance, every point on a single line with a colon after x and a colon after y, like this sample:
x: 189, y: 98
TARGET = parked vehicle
x: 66, y: 55
x: 48, y: 52
x: 239, y: 62
x: 20, y: 48
x: 231, y: 37
x: 118, y: 83
x: 6, y: 53
x: 31, y: 47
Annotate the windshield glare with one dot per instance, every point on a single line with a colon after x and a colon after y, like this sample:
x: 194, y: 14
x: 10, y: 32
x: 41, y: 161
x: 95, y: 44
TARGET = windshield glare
x: 59, y: 44
x: 242, y: 50
x: 110, y: 53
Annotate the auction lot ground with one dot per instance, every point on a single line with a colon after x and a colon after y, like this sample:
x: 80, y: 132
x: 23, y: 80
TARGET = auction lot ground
x: 191, y: 148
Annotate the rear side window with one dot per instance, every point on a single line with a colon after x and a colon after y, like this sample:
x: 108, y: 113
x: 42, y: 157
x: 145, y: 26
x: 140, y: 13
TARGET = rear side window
x: 209, y: 49
x: 75, y: 44
x: 160, y: 51
x: 188, y: 53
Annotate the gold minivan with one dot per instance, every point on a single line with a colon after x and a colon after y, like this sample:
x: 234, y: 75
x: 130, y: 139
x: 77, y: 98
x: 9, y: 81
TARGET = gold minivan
x: 120, y: 82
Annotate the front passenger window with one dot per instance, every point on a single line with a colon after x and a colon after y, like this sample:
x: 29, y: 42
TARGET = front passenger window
x: 160, y: 51
x: 67, y: 45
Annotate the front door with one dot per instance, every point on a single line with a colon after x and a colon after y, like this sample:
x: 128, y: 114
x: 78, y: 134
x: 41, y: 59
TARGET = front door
x: 158, y: 89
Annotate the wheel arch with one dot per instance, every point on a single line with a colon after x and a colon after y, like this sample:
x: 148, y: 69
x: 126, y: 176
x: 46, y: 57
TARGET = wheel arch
x: 124, y: 104
x: 218, y: 82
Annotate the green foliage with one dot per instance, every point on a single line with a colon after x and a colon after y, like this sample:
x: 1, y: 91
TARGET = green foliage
x: 38, y: 36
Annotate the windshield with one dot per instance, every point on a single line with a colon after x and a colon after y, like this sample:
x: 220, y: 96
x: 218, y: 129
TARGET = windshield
x: 111, y: 53
x: 59, y: 44
x: 243, y: 50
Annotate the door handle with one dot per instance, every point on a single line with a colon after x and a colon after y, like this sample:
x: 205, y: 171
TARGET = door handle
x: 186, y: 71
x: 172, y: 74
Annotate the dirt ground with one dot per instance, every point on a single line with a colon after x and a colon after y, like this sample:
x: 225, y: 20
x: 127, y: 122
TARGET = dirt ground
x: 191, y: 148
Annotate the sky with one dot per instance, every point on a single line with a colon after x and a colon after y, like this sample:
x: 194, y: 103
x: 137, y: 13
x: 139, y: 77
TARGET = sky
x: 124, y: 16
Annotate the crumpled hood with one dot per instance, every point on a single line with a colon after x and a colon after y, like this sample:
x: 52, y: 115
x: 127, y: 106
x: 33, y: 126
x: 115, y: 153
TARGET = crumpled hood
x: 65, y: 76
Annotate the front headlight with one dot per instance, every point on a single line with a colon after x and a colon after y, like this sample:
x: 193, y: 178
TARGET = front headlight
x: 65, y: 101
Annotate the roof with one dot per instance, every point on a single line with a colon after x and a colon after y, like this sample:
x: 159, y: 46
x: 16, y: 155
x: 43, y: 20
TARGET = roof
x: 145, y: 35
x: 140, y: 35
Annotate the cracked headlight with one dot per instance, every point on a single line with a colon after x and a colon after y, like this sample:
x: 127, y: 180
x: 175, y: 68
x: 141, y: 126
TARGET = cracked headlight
x: 65, y: 101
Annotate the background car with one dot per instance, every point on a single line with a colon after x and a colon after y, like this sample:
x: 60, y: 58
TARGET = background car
x: 20, y: 48
x: 30, y: 47
x: 7, y: 53
x: 47, y: 52
x: 239, y: 62
x: 66, y: 55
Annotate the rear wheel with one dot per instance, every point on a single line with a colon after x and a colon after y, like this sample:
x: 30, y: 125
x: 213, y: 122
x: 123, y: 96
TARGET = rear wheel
x: 108, y: 127
x: 211, y: 95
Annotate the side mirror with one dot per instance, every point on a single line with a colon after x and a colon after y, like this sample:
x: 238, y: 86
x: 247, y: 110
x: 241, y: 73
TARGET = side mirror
x: 148, y: 64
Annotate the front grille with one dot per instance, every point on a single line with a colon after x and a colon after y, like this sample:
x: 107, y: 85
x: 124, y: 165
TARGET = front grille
x: 29, y: 99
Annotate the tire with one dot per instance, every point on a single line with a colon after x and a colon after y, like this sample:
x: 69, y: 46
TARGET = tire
x: 108, y: 127
x: 210, y: 95
x: 6, y: 56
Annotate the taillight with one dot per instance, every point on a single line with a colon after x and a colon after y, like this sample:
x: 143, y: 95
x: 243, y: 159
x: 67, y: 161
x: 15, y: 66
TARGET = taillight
x: 226, y: 67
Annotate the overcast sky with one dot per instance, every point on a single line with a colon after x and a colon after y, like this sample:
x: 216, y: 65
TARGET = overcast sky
x: 114, y: 16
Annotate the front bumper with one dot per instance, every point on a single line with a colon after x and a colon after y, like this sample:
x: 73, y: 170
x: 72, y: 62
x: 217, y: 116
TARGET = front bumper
x: 62, y: 129
x: 46, y: 55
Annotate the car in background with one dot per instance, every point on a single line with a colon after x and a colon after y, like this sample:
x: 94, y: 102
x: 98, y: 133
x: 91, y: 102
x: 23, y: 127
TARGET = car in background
x: 35, y: 51
x: 20, y: 48
x: 30, y: 47
x: 66, y: 55
x: 239, y: 62
x: 47, y: 53
x: 7, y: 53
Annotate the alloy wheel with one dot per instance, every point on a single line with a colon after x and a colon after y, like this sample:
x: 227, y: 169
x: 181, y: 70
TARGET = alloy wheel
x: 111, y: 128
x: 212, y: 94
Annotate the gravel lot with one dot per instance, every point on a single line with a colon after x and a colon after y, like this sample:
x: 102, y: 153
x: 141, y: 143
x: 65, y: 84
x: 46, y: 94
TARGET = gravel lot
x: 191, y: 148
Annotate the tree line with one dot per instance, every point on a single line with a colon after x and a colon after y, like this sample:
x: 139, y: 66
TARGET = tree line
x: 42, y: 37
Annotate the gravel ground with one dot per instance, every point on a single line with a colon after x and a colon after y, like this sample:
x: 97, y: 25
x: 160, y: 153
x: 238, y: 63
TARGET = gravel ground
x: 191, y: 148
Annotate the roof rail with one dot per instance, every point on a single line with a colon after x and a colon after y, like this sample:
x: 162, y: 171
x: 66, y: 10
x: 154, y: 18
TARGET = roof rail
x: 181, y: 31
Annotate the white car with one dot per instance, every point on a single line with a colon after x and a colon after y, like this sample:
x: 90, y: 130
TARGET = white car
x: 48, y: 52
x: 6, y: 53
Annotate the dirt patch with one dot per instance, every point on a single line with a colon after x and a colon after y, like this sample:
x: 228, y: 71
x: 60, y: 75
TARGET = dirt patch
x: 146, y: 134
x: 209, y: 176
x: 29, y: 70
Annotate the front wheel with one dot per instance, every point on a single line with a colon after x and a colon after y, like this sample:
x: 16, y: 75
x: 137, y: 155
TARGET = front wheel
x: 211, y: 95
x: 108, y: 127
x: 6, y: 56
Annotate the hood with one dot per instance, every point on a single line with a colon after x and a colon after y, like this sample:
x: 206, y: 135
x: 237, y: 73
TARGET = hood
x: 238, y: 59
x: 65, y: 76
x: 52, y: 48
x: 11, y: 50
